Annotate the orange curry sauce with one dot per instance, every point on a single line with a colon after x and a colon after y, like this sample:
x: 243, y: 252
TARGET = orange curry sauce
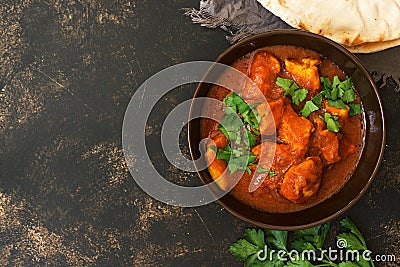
x: 323, y: 160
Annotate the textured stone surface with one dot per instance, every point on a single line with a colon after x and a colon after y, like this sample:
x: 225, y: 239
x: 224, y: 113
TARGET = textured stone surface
x: 68, y: 69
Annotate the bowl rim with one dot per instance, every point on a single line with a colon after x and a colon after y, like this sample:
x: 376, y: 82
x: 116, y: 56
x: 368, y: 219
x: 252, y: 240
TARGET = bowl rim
x: 365, y: 73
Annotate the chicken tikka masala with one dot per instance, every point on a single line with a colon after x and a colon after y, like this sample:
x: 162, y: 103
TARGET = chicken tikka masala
x: 314, y: 115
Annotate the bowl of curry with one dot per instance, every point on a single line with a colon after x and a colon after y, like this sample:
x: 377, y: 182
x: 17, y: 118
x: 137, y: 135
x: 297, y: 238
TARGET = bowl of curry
x: 312, y: 133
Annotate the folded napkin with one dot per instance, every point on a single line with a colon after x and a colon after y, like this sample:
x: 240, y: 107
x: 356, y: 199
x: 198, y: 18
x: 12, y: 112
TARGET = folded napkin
x: 240, y: 18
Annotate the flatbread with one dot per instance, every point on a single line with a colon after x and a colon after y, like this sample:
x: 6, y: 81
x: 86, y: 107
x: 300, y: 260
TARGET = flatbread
x: 363, y: 26
x: 371, y: 47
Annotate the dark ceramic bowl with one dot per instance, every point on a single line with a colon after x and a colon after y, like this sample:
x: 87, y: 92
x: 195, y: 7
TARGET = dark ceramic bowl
x: 374, y: 136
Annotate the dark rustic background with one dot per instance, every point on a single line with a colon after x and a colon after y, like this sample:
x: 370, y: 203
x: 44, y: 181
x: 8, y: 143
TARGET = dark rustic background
x: 68, y: 70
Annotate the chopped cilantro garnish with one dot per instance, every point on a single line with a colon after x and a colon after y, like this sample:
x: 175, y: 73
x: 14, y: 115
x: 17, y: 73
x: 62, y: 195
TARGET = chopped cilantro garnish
x: 317, y: 100
x: 288, y: 85
x: 240, y: 162
x: 292, y: 89
x: 223, y: 154
x: 264, y: 170
x: 337, y: 104
x: 308, y: 108
x: 312, y: 105
x: 332, y: 123
x: 299, y: 95
x: 326, y: 84
x: 354, y: 109
x: 348, y: 96
x: 338, y: 91
x: 239, y: 127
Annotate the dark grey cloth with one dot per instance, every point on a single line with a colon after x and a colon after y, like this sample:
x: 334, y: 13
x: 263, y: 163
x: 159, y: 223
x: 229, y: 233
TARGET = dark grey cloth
x: 240, y: 18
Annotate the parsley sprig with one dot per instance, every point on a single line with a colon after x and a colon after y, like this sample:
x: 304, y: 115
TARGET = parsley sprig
x: 311, y: 239
x: 240, y: 124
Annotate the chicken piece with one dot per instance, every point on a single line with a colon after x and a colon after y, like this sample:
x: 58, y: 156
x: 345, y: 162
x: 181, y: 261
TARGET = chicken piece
x: 305, y: 73
x: 277, y: 154
x: 302, y: 181
x: 268, y: 123
x: 216, y: 170
x: 343, y: 114
x: 217, y: 167
x: 325, y: 143
x: 263, y: 72
x: 295, y: 131
x: 278, y: 161
x: 219, y: 139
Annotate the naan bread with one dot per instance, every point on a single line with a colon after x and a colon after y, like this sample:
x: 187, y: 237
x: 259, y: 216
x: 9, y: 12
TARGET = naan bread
x: 362, y: 26
x: 371, y: 47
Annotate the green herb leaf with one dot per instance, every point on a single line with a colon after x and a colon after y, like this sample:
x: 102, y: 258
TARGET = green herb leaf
x: 292, y: 89
x: 353, y: 243
x: 239, y: 160
x: 326, y: 83
x: 323, y: 232
x: 350, y: 226
x: 337, y: 93
x: 236, y: 104
x: 302, y: 263
x: 252, y: 159
x: 348, y: 96
x: 354, y: 240
x: 255, y: 237
x: 317, y: 100
x: 248, y: 170
x: 276, y: 239
x: 301, y: 245
x: 242, y: 249
x: 337, y: 89
x: 308, y: 239
x: 348, y: 264
x: 308, y: 108
x: 239, y: 126
x: 252, y: 261
x: 251, y: 139
x: 261, y: 169
x: 346, y: 84
x: 245, y: 249
x: 354, y: 109
x: 224, y: 154
x: 315, y: 236
x: 225, y: 132
x: 243, y: 107
x: 288, y: 85
x: 332, y: 123
x: 238, y: 163
x: 363, y: 263
x: 231, y: 124
x: 337, y: 103
x: 299, y: 95
x: 333, y: 126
